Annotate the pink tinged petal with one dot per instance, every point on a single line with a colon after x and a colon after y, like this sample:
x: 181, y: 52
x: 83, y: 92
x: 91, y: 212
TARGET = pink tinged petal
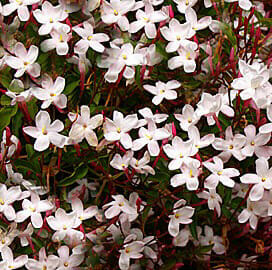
x: 150, y: 30
x: 41, y: 143
x: 175, y: 62
x: 111, y: 212
x: 248, y: 151
x: 170, y: 95
x: 91, y: 138
x: 48, y: 45
x: 14, y: 62
x: 226, y: 181
x: 177, y: 180
x: 139, y: 144
x: 81, y: 46
x: 253, y: 221
x: 126, y: 141
x: 136, y: 26
x: 240, y: 83
x: 60, y: 101
x: 245, y: 4
x: 249, y: 178
x: 189, y: 66
x: 22, y: 216
x: 262, y: 167
x: 211, y: 181
x: 34, y: 70
x: 59, y: 85
x: 20, y: 261
x: 36, y: 220
x: 153, y: 148
x: 192, y: 183
x: 151, y: 89
x: 32, y: 54
x: 123, y: 261
x: 172, y: 46
x: 23, y: 13
x: 45, y: 29
x: 32, y: 131
x: 62, y: 48
x: 19, y: 73
x: 266, y: 128
x: 173, y: 227
x: 9, y: 8
x: 9, y: 212
x: 96, y: 46
x: 54, y: 223
x: 57, y: 139
x: 250, y: 131
x: 123, y: 23
x: 175, y: 164
x: 63, y: 252
x: 256, y: 192
x: 75, y: 260
x: 231, y: 172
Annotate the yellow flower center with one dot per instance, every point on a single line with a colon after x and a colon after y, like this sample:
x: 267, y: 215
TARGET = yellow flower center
x: 231, y: 147
x: 211, y: 242
x: 44, y: 267
x: 64, y: 227
x: 263, y: 179
x: 177, y: 215
x: 81, y: 218
x: 148, y: 137
x: 3, y: 241
x: 32, y: 209
x: 119, y: 130
x: 51, y: 20
x: 20, y: 2
x: 162, y: 91
x: 11, y: 267
x: 189, y: 120
x: 136, y: 163
x: 191, y: 173
x: 26, y: 63
x: 90, y: 37
x: 44, y: 131
x: 124, y: 56
x: 127, y: 250
x: 178, y: 37
x: 52, y: 95
x: 220, y: 173
x: 121, y: 204
x: 66, y: 264
x: 2, y: 202
x: 252, y: 143
x: 115, y: 12
x: 61, y: 38
x: 187, y: 2
x: 146, y: 19
x: 188, y: 56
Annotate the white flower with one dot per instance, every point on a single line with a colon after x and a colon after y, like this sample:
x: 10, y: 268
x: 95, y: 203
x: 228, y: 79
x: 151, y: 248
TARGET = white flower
x: 7, y: 197
x: 50, y: 17
x: 262, y: 180
x: 177, y: 35
x: 232, y: 145
x: 46, y: 133
x: 51, y: 92
x: 150, y: 137
x: 116, y: 59
x: 49, y: 263
x: 254, y: 76
x: 149, y: 116
x: 187, y: 118
x: 140, y: 165
x: 213, y: 198
x: 131, y: 251
x: 186, y: 58
x: 114, y: 12
x: 59, y: 40
x: 198, y: 143
x: 121, y: 163
x: 77, y: 206
x: 12, y: 147
x: 33, y: 209
x: 24, y: 60
x: 84, y: 125
x: 20, y: 6
x: 25, y: 235
x: 255, y: 144
x: 118, y: 128
x: 89, y: 39
x: 9, y: 262
x: 183, y: 4
x: 68, y: 262
x: 191, y: 17
x: 251, y: 213
x: 267, y: 128
x: 219, y: 174
x: 147, y: 19
x: 163, y: 90
x: 181, y: 216
x: 180, y: 152
x: 64, y: 225
x: 120, y: 204
x: 211, y: 239
x: 189, y: 176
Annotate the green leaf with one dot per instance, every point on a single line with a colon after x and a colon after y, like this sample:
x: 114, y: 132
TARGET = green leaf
x: 193, y: 229
x: 32, y: 108
x: 5, y: 115
x: 71, y: 87
x: 25, y: 164
x: 5, y: 100
x: 79, y: 173
x: 17, y: 122
x: 204, y: 249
